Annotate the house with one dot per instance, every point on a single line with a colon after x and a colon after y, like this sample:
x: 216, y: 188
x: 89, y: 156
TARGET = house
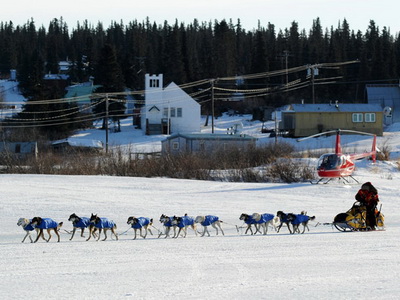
x: 205, y: 143
x: 388, y: 97
x: 77, y: 144
x: 308, y: 119
x: 168, y: 110
x: 80, y: 93
x: 19, y: 149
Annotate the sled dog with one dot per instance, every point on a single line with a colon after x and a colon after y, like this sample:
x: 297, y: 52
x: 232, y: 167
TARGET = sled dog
x: 249, y: 221
x: 102, y: 224
x: 139, y: 224
x: 81, y: 223
x: 48, y: 224
x: 205, y: 221
x: 264, y: 220
x: 301, y: 219
x: 283, y: 218
x: 27, y: 226
x: 167, y: 223
x: 183, y: 223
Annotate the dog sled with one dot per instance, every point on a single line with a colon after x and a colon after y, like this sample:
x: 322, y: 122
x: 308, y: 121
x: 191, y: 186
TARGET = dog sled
x: 355, y: 219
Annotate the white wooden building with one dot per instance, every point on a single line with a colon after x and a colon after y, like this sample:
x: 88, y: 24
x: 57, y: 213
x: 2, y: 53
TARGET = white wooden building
x: 168, y: 110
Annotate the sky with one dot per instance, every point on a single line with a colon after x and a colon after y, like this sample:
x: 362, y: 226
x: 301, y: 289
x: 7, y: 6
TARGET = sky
x: 358, y: 13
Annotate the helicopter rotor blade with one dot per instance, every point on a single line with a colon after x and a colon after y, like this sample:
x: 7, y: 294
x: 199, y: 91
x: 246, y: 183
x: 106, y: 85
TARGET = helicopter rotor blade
x: 357, y: 132
x: 316, y: 135
x: 334, y: 131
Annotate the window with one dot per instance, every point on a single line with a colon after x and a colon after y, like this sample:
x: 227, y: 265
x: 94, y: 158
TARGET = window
x: 357, y: 118
x: 370, y: 117
x: 173, y: 112
x: 165, y: 113
x: 179, y: 112
x: 154, y: 83
x: 175, y: 145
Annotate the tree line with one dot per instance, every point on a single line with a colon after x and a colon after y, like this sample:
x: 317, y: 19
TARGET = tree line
x: 117, y: 57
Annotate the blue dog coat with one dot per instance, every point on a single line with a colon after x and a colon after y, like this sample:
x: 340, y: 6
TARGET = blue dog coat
x: 300, y: 219
x: 47, y: 223
x: 208, y: 220
x: 250, y: 220
x: 185, y: 221
x: 141, y: 222
x: 265, y: 218
x: 168, y: 223
x: 104, y: 223
x: 82, y: 223
x: 29, y: 227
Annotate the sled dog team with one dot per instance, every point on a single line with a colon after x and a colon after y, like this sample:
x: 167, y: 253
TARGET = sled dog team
x: 96, y: 225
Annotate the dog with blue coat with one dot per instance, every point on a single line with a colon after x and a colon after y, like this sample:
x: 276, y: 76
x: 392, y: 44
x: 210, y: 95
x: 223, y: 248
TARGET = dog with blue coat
x: 141, y: 223
x: 209, y: 220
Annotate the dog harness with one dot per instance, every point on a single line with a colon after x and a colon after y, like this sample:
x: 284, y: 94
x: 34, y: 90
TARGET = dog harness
x: 82, y: 223
x: 141, y: 222
x: 208, y: 220
x: 300, y: 219
x: 47, y: 223
x: 265, y: 218
x: 29, y: 226
x: 185, y: 221
x: 104, y: 223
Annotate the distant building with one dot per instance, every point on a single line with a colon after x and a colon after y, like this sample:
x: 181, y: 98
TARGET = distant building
x: 168, y: 110
x: 205, y: 143
x: 388, y: 97
x: 19, y: 149
x: 308, y: 119
x: 72, y: 144
x: 81, y: 92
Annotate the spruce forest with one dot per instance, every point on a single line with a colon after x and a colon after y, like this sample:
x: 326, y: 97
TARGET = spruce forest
x: 117, y: 58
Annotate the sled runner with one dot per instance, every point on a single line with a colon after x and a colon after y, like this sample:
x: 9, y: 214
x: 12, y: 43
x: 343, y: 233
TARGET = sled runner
x: 355, y: 219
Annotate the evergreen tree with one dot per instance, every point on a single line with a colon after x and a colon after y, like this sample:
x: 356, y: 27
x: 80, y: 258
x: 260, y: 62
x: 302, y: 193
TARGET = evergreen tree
x: 109, y: 76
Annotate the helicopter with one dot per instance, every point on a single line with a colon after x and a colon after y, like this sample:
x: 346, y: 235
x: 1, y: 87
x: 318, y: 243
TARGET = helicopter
x: 339, y: 165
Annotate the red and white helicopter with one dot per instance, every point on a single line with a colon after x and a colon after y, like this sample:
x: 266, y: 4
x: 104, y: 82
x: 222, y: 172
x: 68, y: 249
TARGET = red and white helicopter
x: 339, y: 165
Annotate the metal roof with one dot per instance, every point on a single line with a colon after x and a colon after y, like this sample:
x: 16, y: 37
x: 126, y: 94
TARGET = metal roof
x: 383, y: 92
x: 212, y: 136
x: 336, y: 107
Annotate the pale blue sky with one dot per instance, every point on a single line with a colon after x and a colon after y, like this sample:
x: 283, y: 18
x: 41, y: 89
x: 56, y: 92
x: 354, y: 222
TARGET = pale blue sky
x: 281, y: 13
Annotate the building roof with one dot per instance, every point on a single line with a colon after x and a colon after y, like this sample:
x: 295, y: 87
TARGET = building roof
x: 75, y: 142
x: 339, y: 107
x: 212, y: 136
x: 82, y: 91
x: 383, y: 92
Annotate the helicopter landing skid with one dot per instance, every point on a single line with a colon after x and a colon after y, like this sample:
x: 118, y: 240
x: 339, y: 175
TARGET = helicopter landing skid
x: 327, y: 180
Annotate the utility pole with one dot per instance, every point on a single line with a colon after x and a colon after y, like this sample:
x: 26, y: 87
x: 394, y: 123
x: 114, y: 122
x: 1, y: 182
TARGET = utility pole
x: 106, y: 123
x: 212, y: 105
x: 312, y: 85
x: 313, y: 71
x: 286, y: 55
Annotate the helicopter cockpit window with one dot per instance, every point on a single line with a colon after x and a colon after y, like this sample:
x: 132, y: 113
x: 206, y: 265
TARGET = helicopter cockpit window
x: 329, y: 161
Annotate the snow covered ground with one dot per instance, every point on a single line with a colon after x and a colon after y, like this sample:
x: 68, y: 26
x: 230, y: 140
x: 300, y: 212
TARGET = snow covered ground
x: 323, y: 263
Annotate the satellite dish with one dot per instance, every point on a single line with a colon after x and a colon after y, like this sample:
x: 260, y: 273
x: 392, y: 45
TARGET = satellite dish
x: 387, y: 111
